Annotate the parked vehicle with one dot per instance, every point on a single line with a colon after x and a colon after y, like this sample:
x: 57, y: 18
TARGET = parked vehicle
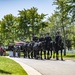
x: 2, y: 51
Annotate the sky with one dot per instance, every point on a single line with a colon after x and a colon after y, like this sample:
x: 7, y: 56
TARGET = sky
x: 12, y: 6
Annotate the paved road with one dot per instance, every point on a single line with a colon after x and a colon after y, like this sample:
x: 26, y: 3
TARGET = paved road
x: 49, y: 67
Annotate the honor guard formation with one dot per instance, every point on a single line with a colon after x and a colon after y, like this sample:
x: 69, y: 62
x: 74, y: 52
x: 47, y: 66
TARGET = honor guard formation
x: 43, y: 47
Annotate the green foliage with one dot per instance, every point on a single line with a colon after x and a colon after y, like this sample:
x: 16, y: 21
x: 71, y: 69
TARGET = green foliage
x: 22, y: 27
x: 62, y: 21
x: 29, y: 22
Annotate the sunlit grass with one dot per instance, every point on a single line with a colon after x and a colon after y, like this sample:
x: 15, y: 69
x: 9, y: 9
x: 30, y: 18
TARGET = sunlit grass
x: 10, y: 67
x: 69, y: 56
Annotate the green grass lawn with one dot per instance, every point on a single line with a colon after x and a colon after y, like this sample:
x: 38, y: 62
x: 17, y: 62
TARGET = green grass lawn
x: 10, y: 67
x: 70, y: 56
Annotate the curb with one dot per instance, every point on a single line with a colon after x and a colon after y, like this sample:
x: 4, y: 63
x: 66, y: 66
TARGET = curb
x: 28, y: 69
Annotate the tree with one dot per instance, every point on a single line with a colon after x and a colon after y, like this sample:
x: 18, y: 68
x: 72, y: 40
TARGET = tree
x: 6, y: 28
x: 30, y: 22
x: 66, y: 8
x: 23, y: 21
x: 35, y: 20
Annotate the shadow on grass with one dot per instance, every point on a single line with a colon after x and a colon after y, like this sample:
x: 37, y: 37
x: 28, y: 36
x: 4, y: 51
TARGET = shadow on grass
x: 2, y: 71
